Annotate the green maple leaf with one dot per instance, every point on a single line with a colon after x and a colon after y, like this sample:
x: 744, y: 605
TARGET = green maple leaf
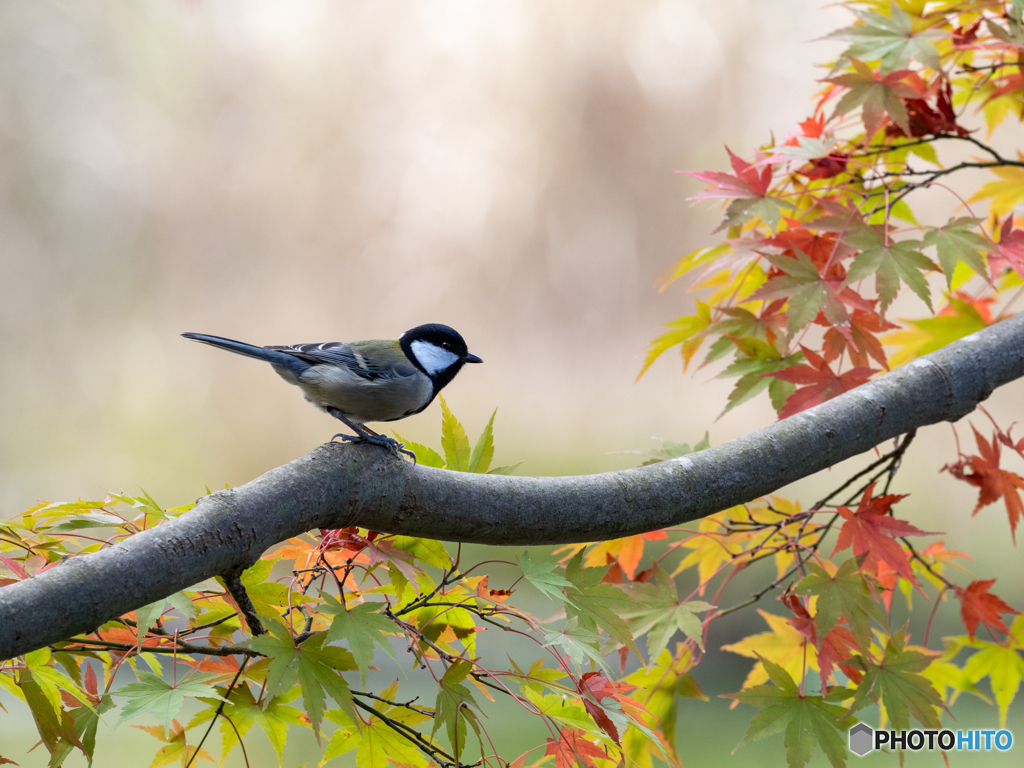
x: 805, y: 290
x: 154, y: 695
x: 543, y: 576
x: 267, y: 596
x: 888, y: 261
x: 891, y: 39
x: 902, y: 690
x: 362, y: 626
x: 807, y: 720
x: 845, y: 594
x: 879, y: 96
x: 309, y: 664
x: 753, y: 359
x: 377, y: 744
x: 599, y: 603
x: 958, y: 241
x: 660, y: 614
x: 452, y: 706
x: 1002, y: 664
x: 272, y: 715
x: 579, y: 642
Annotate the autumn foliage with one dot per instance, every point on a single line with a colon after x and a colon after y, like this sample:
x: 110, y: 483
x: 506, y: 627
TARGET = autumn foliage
x: 795, y: 299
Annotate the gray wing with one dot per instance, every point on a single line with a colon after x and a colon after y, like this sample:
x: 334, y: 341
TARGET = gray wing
x: 385, y: 365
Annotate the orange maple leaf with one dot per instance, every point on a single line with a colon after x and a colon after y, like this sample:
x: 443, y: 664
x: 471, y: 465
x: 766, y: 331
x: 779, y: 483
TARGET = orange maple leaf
x: 572, y: 745
x: 871, y: 530
x: 977, y: 605
x: 992, y: 482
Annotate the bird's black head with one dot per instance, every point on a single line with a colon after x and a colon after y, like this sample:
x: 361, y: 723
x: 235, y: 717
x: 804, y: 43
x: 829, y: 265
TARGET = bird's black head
x: 438, y: 351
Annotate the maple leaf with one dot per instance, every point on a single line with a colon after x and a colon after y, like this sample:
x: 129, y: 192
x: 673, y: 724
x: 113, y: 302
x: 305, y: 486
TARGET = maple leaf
x: 783, y: 645
x: 1005, y: 194
x: 835, y: 647
x: 879, y: 95
x: 958, y: 241
x: 889, y: 260
x: 596, y: 685
x: 977, y: 605
x: 748, y: 191
x: 754, y: 360
x: 806, y: 291
x: 871, y: 530
x: 571, y: 746
x: 177, y: 749
x: 891, y: 39
x: 903, y: 691
x: 714, y: 545
x: 1009, y: 251
x: 992, y: 482
x: 844, y: 594
x: 858, y: 339
x: 926, y: 120
x: 660, y: 613
x: 1002, y: 663
x: 820, y: 382
x: 962, y: 316
x: 807, y: 720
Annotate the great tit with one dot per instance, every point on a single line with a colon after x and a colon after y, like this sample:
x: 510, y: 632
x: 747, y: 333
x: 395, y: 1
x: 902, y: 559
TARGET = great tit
x: 361, y: 381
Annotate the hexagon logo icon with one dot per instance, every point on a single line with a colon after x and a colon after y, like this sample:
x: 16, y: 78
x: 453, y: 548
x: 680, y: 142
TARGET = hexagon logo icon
x: 861, y: 739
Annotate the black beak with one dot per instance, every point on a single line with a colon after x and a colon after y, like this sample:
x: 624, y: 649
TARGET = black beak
x: 471, y: 358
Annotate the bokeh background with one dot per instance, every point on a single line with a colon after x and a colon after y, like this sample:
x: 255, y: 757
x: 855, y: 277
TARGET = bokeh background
x: 328, y: 170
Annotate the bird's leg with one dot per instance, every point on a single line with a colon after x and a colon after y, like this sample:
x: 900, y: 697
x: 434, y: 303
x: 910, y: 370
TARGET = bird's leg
x: 366, y: 435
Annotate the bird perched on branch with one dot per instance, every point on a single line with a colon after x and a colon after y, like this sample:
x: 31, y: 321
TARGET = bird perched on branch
x: 361, y: 381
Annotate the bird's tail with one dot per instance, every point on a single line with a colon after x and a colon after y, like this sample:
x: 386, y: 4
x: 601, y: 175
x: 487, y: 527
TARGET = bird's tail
x: 272, y: 356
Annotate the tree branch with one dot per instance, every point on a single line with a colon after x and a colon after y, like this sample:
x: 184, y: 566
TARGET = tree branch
x: 343, y: 485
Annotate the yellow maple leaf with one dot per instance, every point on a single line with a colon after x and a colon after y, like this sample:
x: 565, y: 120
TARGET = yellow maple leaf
x: 783, y: 645
x: 1005, y: 194
x: 714, y: 545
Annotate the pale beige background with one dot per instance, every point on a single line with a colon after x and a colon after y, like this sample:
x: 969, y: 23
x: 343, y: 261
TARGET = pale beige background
x: 313, y: 171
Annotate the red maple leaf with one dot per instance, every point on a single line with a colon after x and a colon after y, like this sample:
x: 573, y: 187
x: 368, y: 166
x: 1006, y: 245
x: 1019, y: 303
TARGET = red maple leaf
x: 992, y: 482
x: 747, y: 183
x: 1009, y: 250
x: 826, y: 167
x: 925, y: 120
x: 570, y: 745
x: 600, y: 687
x: 871, y: 530
x: 978, y: 606
x: 837, y: 646
x: 819, y: 382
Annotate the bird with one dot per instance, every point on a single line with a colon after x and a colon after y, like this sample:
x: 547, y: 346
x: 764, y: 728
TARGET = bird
x: 361, y: 381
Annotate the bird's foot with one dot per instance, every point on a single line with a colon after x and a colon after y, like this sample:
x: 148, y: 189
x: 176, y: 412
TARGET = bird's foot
x: 383, y: 441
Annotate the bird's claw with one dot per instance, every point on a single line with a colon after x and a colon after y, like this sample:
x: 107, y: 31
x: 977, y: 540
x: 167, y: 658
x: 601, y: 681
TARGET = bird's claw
x: 383, y: 441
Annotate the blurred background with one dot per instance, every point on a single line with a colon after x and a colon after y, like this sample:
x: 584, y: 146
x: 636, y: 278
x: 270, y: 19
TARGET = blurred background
x: 324, y: 170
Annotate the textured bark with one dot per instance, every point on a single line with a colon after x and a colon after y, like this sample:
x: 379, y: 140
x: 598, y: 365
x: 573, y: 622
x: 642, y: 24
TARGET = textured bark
x: 341, y: 485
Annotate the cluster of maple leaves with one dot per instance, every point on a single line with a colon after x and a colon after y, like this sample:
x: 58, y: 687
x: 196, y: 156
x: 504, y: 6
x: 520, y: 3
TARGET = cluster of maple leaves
x: 820, y: 240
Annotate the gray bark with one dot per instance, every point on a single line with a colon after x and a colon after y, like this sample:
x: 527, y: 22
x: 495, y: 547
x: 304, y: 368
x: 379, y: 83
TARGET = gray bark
x: 343, y: 485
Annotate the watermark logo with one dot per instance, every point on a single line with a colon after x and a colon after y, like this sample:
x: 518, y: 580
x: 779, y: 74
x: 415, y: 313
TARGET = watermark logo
x: 864, y: 739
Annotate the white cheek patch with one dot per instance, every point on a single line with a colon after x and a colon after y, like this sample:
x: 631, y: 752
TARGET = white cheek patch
x: 433, y: 358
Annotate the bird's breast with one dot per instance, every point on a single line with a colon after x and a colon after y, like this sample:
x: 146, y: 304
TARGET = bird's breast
x: 362, y: 400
